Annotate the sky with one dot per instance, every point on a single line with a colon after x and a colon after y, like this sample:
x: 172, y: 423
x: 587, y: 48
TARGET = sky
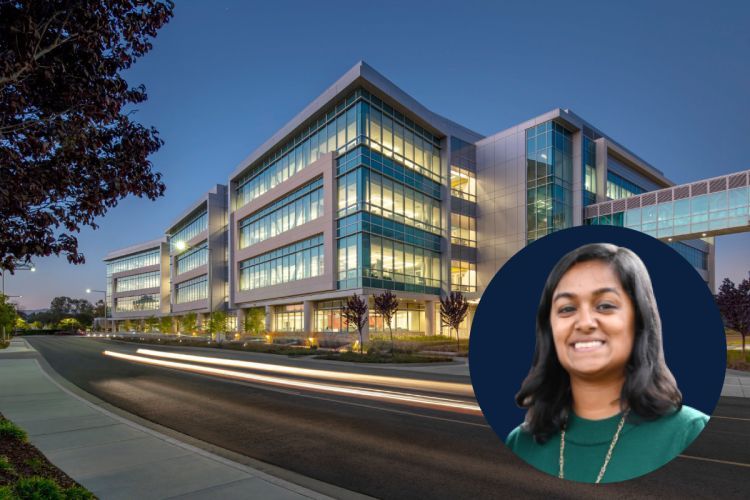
x: 668, y: 80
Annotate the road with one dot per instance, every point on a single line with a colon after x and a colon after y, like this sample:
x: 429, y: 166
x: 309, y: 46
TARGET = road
x: 380, y: 447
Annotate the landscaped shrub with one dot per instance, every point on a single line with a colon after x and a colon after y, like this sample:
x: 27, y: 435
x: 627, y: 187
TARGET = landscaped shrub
x: 38, y: 488
x: 10, y: 430
x: 78, y: 493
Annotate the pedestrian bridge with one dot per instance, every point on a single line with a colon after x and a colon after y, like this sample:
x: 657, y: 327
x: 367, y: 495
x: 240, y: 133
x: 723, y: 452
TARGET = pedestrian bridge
x: 710, y: 207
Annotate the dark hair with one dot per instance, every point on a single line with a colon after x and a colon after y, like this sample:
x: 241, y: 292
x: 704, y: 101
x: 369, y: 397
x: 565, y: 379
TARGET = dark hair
x: 650, y: 390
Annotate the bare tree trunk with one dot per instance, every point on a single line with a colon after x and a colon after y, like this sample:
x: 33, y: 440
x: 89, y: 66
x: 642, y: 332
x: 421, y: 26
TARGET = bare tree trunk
x: 393, y: 348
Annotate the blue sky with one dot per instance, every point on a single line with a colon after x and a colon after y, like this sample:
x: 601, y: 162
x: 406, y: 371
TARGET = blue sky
x: 668, y: 80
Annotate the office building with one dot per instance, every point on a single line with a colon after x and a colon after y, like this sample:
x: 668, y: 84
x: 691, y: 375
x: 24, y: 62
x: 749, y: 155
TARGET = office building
x: 367, y: 190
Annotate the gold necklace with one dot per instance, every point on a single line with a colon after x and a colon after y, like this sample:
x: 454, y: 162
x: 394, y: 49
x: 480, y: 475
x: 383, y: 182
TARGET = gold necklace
x: 606, y: 459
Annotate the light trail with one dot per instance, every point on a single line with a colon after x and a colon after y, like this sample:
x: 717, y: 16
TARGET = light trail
x: 399, y: 397
x: 428, y: 385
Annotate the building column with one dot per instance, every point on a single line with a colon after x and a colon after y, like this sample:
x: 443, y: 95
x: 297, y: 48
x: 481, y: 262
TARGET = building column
x: 175, y: 325
x: 241, y: 320
x: 269, y: 318
x: 429, y: 316
x: 307, y: 317
x: 142, y: 325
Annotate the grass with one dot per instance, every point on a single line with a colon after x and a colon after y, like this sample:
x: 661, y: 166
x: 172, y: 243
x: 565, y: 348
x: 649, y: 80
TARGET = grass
x: 185, y: 341
x: 27, y: 474
x: 9, y: 430
x: 736, y: 360
x: 4, y: 344
x: 379, y: 357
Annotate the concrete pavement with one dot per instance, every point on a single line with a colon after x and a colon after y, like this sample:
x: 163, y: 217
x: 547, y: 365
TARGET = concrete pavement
x: 114, y: 457
x: 736, y: 384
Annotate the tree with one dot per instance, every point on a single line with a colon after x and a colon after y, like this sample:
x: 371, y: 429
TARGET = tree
x: 7, y: 316
x: 217, y: 323
x: 69, y: 324
x: 188, y: 322
x: 151, y: 323
x: 453, y: 311
x: 386, y: 304
x: 255, y: 320
x: 165, y: 324
x: 355, y: 314
x: 80, y: 309
x: 734, y: 305
x: 69, y: 149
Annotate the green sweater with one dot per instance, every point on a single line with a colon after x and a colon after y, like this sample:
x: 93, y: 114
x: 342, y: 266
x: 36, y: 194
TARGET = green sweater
x: 643, y: 446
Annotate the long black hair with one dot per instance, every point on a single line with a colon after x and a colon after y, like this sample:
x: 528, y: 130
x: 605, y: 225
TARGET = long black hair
x: 650, y: 390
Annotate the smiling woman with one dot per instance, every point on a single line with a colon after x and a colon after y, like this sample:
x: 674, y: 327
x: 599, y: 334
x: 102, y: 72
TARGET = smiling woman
x: 602, y: 406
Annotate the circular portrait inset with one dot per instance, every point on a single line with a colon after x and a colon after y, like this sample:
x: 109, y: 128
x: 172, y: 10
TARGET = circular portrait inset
x: 597, y: 354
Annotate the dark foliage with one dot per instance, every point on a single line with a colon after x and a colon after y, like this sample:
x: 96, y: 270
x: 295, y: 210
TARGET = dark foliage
x: 68, y: 147
x: 355, y: 314
x: 386, y: 304
x: 453, y: 310
x: 733, y: 302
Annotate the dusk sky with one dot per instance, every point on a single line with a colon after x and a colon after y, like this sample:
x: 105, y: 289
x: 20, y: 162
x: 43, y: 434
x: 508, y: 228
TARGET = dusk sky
x: 668, y: 80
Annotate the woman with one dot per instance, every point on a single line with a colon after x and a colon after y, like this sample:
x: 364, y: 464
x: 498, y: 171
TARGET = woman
x: 602, y: 406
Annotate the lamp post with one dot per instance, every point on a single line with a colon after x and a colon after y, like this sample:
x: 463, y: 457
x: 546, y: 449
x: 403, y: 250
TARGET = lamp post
x: 182, y: 246
x: 20, y: 266
x: 89, y: 290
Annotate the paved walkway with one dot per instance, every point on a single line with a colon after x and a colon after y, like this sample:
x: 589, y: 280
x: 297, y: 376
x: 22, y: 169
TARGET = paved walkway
x: 114, y: 457
x: 736, y: 384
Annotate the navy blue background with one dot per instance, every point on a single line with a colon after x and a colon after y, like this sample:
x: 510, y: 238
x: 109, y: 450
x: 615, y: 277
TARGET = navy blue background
x: 502, y: 334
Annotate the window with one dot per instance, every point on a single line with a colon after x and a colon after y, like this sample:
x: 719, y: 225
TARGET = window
x: 463, y: 276
x: 289, y: 318
x: 191, y: 290
x: 144, y: 259
x: 192, y: 258
x: 299, y: 207
x: 146, y: 302
x: 463, y: 184
x: 138, y: 282
x: 463, y: 230
x: 189, y: 231
x: 301, y: 260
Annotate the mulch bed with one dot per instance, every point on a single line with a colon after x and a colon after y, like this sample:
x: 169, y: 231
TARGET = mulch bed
x: 28, y: 461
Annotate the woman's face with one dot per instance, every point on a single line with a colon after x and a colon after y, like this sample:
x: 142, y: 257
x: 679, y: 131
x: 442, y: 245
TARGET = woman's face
x: 592, y: 321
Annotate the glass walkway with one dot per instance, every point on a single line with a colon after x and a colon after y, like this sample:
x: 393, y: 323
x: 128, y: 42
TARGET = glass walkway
x: 709, y: 207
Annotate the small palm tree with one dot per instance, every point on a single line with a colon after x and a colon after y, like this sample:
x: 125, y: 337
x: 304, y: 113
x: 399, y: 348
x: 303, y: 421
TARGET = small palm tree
x: 453, y: 311
x: 386, y: 304
x: 355, y: 313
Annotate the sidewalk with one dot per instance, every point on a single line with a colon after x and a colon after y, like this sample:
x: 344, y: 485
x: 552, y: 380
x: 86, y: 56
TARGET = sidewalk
x: 736, y: 384
x: 114, y: 457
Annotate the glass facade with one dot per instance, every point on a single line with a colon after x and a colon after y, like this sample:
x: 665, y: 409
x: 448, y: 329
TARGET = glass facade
x: 463, y: 276
x: 463, y: 184
x: 138, y: 282
x: 409, y: 319
x: 618, y: 187
x: 363, y: 189
x: 361, y: 118
x: 549, y: 176
x: 329, y: 317
x: 697, y: 258
x: 694, y: 215
x: 191, y: 290
x: 192, y: 258
x: 463, y: 230
x: 288, y: 318
x: 302, y: 205
x: 589, y: 171
x: 136, y: 261
x: 189, y: 231
x: 146, y: 302
x: 301, y: 260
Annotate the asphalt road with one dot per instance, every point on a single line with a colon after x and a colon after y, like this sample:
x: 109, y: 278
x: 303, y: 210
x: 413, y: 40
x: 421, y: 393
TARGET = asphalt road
x: 379, y: 448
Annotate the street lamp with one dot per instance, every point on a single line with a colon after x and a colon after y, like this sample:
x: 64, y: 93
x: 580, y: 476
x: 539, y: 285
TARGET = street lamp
x: 182, y: 246
x: 89, y: 290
